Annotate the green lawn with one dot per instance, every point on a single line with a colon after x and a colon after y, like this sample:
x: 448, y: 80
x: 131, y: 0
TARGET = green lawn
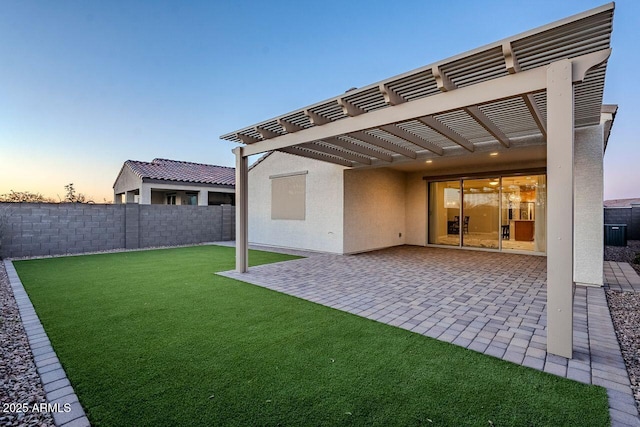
x: 156, y: 338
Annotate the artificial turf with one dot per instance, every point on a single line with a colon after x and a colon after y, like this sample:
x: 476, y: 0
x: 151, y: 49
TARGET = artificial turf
x: 156, y: 338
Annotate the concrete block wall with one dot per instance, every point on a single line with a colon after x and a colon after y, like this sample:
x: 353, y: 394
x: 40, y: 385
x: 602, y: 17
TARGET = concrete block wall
x: 228, y: 222
x: 37, y: 229
x: 34, y: 229
x: 165, y: 225
x: 617, y: 215
x: 131, y: 226
x: 633, y: 233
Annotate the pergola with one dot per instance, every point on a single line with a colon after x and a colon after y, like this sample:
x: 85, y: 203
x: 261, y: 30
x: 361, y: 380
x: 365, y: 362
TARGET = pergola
x: 532, y: 89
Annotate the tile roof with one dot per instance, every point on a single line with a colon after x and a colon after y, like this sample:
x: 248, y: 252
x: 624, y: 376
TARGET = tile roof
x: 174, y: 170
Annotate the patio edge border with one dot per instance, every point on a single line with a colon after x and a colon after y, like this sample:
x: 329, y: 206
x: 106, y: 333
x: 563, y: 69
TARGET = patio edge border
x: 57, y: 388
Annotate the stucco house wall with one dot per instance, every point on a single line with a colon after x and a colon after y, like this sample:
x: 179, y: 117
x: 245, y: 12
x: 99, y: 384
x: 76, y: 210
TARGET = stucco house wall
x: 374, y: 209
x: 127, y: 181
x: 416, y: 209
x: 322, y: 228
x: 356, y: 210
x: 588, y: 212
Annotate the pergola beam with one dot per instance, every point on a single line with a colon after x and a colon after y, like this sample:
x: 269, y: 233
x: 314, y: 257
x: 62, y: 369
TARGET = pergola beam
x: 530, y: 102
x: 266, y: 133
x: 350, y: 109
x: 513, y: 67
x: 442, y: 80
x: 318, y: 156
x: 288, y: 126
x: 379, y: 142
x: 355, y: 157
x: 476, y: 113
x: 484, y: 92
x: 315, y: 118
x: 414, y: 139
x: 445, y: 85
x: 247, y: 139
x: 352, y: 146
x: 510, y: 86
x: 447, y: 132
x: 390, y: 96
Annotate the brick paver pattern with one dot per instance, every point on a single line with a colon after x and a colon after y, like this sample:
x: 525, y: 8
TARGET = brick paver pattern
x: 620, y: 276
x: 493, y: 303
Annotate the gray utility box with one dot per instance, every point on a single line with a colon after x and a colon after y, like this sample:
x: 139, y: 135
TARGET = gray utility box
x: 615, y: 234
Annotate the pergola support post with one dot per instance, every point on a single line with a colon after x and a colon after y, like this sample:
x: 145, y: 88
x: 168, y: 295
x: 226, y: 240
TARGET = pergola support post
x: 242, y: 205
x: 560, y: 134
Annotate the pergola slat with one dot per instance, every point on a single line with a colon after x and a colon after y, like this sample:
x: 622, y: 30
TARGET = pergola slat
x: 580, y: 38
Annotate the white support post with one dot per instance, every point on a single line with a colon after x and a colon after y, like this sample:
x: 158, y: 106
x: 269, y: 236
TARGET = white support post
x: 203, y: 198
x: 560, y: 134
x: 129, y: 197
x: 242, y: 217
x: 145, y: 194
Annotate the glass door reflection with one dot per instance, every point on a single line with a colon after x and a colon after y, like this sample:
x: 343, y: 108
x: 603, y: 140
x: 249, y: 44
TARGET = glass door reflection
x: 480, y: 218
x: 444, y: 213
x: 523, y: 215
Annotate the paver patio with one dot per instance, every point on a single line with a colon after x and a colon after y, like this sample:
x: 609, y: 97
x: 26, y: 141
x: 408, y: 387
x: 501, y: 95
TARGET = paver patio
x: 620, y: 276
x: 493, y: 303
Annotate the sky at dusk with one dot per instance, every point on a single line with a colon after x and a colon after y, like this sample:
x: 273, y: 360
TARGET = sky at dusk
x: 85, y: 85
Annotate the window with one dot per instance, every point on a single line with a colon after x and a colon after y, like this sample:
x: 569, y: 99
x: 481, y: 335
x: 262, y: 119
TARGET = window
x: 171, y: 199
x: 288, y: 194
x: 192, y: 199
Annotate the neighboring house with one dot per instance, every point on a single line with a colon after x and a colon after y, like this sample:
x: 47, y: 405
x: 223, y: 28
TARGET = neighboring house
x: 621, y: 203
x: 172, y: 182
x: 500, y: 148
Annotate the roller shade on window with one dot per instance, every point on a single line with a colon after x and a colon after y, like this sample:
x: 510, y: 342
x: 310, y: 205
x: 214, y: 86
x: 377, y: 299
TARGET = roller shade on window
x: 288, y: 194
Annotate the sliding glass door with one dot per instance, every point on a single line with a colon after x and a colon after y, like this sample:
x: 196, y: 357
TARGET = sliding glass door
x: 481, y: 213
x: 506, y: 213
x: 523, y: 213
x: 444, y: 213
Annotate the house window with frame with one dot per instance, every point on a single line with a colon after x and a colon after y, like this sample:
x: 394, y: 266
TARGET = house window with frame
x: 191, y: 199
x: 288, y: 196
x: 171, y: 199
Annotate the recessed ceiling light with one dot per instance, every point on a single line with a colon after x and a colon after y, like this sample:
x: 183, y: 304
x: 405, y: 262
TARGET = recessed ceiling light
x: 429, y: 161
x: 493, y: 154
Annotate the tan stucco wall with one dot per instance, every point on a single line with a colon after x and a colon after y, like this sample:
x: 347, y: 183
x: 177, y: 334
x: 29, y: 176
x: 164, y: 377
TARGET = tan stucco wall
x: 374, y: 209
x: 588, y: 206
x: 126, y: 181
x: 322, y: 228
x: 416, y: 209
x: 359, y: 210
